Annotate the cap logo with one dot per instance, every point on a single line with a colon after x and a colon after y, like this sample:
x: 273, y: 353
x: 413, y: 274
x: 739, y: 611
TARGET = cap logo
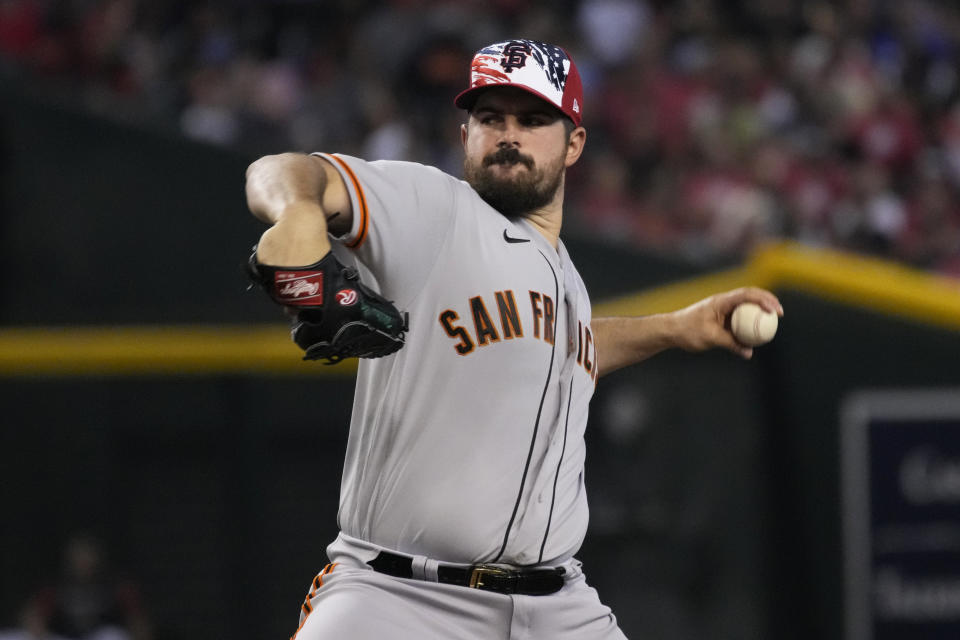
x: 540, y: 68
x: 514, y: 56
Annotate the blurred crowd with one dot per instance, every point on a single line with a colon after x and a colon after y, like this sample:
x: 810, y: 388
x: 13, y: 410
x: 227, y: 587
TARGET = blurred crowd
x: 88, y: 599
x: 712, y: 124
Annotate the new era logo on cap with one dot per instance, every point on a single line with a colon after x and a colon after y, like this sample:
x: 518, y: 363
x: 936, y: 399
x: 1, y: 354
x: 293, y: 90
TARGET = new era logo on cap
x: 544, y: 70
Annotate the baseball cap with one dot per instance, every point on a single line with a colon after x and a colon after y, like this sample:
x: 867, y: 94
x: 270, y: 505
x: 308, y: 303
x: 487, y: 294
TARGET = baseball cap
x: 545, y: 70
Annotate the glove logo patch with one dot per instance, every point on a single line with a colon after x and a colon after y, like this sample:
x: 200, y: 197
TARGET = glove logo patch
x: 347, y: 297
x: 300, y: 286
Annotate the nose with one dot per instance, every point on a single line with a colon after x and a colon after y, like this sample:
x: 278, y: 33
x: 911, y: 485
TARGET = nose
x: 509, y: 133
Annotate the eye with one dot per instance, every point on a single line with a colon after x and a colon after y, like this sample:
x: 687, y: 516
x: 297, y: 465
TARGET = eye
x: 534, y: 120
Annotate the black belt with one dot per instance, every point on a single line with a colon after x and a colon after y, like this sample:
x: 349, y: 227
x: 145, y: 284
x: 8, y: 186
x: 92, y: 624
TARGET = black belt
x: 528, y: 582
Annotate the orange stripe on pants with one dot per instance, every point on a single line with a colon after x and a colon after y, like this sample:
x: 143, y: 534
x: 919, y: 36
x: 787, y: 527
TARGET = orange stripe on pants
x: 306, y: 608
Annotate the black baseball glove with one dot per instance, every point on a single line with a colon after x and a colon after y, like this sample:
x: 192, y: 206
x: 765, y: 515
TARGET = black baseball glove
x: 335, y: 315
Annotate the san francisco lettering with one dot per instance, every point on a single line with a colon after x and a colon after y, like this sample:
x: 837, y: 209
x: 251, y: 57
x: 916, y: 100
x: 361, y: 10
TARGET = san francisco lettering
x: 485, y: 330
x: 498, y: 318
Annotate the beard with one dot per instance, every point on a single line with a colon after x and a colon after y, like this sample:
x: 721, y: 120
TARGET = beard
x: 514, y: 197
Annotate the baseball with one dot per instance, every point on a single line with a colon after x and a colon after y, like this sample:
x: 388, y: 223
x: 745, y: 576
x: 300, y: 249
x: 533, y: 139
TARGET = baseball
x: 752, y: 325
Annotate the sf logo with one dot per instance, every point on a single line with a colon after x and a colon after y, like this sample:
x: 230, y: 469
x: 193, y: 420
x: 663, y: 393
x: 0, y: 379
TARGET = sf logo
x: 346, y: 297
x: 514, y: 56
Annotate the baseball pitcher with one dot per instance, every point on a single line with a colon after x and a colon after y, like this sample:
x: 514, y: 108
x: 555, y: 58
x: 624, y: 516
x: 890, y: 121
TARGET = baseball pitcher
x: 462, y: 502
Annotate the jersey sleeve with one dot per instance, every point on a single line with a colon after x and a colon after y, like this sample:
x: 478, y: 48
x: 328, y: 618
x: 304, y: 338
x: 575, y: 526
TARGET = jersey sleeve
x: 402, y: 212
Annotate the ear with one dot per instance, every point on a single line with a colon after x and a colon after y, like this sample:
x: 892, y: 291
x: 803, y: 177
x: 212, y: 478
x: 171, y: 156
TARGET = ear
x: 463, y: 135
x: 578, y: 138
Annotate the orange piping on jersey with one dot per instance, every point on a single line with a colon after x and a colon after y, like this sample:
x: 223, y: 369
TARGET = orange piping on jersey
x: 364, y: 212
x: 306, y: 607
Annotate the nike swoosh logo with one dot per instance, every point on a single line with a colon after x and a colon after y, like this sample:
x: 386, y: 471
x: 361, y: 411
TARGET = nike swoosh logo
x: 513, y: 240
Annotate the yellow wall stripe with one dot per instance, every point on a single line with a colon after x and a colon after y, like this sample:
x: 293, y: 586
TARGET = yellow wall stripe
x: 870, y: 283
x: 676, y: 295
x: 874, y: 284
x: 169, y: 350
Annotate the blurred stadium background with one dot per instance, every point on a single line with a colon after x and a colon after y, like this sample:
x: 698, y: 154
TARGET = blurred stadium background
x: 148, y: 401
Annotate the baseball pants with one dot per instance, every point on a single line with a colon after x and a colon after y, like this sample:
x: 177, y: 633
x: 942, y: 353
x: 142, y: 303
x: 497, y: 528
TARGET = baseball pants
x: 348, y: 599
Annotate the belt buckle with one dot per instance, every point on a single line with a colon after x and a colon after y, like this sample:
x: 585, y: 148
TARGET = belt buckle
x: 479, y: 571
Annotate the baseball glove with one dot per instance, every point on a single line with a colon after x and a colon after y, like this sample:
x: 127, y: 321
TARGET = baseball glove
x: 335, y: 315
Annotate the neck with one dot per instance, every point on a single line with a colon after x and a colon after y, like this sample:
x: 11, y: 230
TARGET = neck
x: 549, y: 219
x: 548, y: 226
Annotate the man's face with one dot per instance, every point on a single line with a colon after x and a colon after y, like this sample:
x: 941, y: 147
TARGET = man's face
x: 516, y: 151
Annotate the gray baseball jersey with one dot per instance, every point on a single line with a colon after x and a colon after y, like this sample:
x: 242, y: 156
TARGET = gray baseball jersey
x: 467, y: 444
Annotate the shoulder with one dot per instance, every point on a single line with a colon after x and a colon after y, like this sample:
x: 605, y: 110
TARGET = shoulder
x: 397, y: 184
x: 387, y: 167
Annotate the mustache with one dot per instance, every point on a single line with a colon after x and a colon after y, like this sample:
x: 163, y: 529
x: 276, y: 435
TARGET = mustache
x: 508, y: 155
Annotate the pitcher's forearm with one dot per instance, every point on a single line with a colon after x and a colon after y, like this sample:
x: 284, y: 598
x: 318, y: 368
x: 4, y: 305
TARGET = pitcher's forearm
x: 287, y: 191
x: 298, y: 238
x: 703, y: 325
x: 623, y: 341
